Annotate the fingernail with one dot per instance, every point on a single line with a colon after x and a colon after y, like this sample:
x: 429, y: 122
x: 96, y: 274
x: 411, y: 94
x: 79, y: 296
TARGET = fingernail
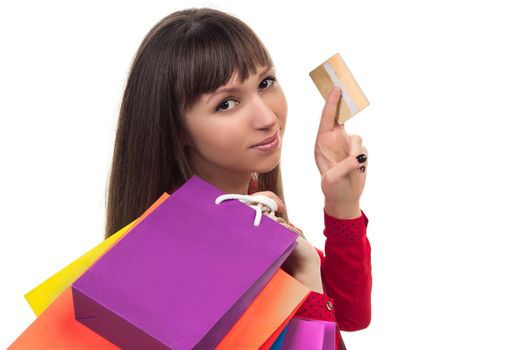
x: 362, y: 169
x: 361, y: 158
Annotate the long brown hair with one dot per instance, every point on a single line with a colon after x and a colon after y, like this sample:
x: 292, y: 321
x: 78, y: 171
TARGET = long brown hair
x: 186, y: 54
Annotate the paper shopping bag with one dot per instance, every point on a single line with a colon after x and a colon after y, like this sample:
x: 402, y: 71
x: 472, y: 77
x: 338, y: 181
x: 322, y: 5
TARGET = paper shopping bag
x: 306, y: 334
x: 274, y: 306
x: 277, y: 345
x: 278, y: 334
x: 57, y: 329
x: 184, y: 275
x: 44, y: 294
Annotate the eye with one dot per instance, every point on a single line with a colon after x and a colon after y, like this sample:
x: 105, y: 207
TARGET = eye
x: 226, y: 104
x: 271, y: 80
x: 223, y: 106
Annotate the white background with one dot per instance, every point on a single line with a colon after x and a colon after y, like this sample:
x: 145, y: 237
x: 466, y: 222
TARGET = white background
x: 444, y: 191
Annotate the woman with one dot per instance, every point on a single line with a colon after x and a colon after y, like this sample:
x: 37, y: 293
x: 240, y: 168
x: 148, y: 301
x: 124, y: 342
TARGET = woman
x: 202, y: 99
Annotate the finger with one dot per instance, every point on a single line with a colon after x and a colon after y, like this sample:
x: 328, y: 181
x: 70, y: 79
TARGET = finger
x: 329, y: 115
x: 355, y: 143
x: 280, y: 204
x: 357, y: 149
x: 364, y: 165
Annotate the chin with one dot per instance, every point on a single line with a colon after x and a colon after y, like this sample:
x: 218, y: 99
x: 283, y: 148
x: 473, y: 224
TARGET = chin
x: 270, y: 166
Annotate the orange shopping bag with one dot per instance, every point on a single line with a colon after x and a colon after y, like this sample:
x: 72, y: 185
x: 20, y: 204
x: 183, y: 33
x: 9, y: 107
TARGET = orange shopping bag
x: 267, y: 315
x: 57, y: 329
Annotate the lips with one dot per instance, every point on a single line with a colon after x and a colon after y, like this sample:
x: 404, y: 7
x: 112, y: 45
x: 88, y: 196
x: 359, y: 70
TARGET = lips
x: 268, y: 140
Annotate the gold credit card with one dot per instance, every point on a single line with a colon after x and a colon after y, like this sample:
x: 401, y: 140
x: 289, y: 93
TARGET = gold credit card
x: 334, y: 72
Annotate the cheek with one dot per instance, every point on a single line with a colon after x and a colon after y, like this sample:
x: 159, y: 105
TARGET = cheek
x: 223, y: 138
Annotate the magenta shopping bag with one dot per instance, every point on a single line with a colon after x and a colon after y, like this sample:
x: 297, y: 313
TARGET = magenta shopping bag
x: 303, y: 334
x: 183, y: 276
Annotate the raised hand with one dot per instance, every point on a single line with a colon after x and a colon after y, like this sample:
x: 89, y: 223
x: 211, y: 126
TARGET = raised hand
x: 338, y: 156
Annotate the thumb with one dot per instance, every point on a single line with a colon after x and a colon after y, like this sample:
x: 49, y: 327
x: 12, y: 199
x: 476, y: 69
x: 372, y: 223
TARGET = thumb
x: 337, y: 172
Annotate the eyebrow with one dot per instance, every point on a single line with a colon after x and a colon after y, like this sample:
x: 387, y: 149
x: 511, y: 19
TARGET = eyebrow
x: 235, y: 89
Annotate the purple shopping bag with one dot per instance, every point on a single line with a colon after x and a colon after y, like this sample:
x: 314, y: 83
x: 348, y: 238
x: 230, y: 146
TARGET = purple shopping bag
x: 303, y: 334
x: 183, y: 276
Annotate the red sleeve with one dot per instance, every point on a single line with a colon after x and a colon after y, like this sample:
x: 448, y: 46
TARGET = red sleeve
x: 346, y: 270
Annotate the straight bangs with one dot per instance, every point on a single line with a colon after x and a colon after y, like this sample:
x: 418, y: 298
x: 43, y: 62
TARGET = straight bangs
x: 213, y: 52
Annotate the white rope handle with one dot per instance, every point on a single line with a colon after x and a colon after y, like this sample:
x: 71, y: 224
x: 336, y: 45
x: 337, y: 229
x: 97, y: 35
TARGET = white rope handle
x: 259, y: 203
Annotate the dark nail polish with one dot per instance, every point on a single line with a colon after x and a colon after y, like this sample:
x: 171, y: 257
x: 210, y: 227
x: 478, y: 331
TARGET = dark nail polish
x: 362, y: 169
x: 361, y: 158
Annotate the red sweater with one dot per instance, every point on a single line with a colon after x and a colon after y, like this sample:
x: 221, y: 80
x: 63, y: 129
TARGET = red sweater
x: 347, y: 277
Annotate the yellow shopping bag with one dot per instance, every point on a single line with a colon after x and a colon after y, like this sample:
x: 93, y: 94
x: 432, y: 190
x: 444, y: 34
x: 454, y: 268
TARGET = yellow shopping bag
x: 44, y: 294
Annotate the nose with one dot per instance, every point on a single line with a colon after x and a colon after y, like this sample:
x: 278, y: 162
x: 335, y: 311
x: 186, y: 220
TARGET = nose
x: 263, y: 116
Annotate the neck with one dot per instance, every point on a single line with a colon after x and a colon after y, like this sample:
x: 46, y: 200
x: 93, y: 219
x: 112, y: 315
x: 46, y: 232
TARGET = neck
x: 228, y: 183
x: 235, y: 181
x: 227, y: 180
